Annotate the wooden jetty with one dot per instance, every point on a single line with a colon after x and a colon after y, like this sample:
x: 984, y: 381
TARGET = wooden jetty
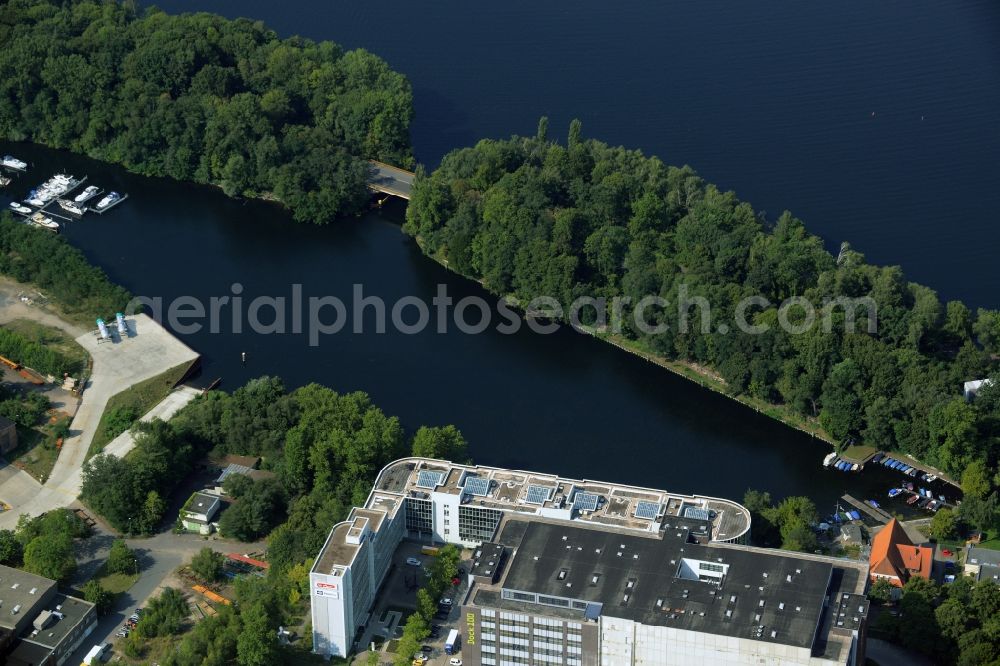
x: 878, y: 514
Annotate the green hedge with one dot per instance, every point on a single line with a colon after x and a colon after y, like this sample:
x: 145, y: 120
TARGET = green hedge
x: 21, y: 350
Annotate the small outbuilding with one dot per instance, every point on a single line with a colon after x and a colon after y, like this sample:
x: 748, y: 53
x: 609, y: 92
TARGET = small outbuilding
x: 199, y: 511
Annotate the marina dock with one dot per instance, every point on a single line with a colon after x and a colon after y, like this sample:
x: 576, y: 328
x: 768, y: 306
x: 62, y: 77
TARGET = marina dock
x: 109, y: 206
x: 878, y: 514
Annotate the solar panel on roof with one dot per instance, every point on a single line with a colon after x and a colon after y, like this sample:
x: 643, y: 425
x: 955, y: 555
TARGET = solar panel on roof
x: 429, y: 478
x: 477, y: 485
x: 539, y: 494
x: 584, y: 501
x: 697, y: 513
x: 233, y: 468
x: 648, y: 510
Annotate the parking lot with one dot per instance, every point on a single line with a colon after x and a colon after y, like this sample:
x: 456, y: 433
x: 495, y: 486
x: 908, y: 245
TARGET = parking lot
x: 398, y: 599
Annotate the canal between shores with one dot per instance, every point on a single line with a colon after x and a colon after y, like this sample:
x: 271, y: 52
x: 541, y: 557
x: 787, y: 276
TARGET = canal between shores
x: 563, y: 403
x: 876, y: 123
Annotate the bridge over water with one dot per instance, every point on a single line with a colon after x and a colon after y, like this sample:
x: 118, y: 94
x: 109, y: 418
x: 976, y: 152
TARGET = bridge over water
x: 388, y: 179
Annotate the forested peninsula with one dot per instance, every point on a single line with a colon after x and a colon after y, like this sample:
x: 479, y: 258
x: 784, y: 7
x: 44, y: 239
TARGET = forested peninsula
x: 530, y: 217
x: 198, y: 97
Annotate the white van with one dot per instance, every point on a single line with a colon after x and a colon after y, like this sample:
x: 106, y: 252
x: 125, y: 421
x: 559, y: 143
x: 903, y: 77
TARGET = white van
x: 98, y: 653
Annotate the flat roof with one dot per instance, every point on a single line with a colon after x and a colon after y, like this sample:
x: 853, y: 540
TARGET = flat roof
x: 20, y: 588
x: 486, y: 559
x: 982, y: 556
x: 200, y: 502
x: 28, y: 654
x: 336, y: 552
x: 618, y: 505
x: 781, y: 593
x: 73, y: 612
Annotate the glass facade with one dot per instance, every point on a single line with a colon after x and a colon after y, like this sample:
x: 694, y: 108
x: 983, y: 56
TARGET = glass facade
x: 419, y: 515
x: 515, y: 639
x: 477, y: 524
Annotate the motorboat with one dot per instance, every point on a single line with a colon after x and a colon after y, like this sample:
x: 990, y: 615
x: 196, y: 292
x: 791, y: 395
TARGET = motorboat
x: 108, y: 200
x: 23, y: 210
x: 37, y: 203
x: 4, y: 181
x: 90, y: 191
x: 828, y: 460
x: 893, y: 492
x: 71, y: 207
x: 14, y: 163
x: 46, y: 222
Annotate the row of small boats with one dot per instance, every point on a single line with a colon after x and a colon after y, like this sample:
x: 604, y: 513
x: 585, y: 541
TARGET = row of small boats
x: 901, y: 466
x: 77, y: 206
x: 841, y: 465
x: 53, y: 188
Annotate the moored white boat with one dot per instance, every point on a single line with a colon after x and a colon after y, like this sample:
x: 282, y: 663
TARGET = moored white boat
x: 71, y: 207
x: 108, y: 200
x: 23, y: 210
x: 14, y: 163
x: 45, y: 222
x: 88, y: 192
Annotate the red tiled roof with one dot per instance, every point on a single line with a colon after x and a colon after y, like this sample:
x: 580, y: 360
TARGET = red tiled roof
x: 893, y: 555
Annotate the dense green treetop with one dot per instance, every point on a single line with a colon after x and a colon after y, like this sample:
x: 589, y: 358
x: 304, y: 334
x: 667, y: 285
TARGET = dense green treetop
x: 204, y: 98
x: 531, y: 217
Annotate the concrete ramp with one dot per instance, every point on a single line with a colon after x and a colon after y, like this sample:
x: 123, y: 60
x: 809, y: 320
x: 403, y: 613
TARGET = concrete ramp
x: 147, y: 351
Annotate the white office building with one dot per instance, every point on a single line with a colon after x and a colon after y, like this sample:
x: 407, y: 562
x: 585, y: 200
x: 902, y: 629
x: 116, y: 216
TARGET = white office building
x: 441, y: 502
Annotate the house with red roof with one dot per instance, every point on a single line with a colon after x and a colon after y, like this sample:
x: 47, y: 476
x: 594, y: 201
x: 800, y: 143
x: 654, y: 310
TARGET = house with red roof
x: 895, y: 557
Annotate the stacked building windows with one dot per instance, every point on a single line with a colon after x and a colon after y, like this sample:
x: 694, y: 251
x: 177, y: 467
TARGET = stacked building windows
x: 477, y: 524
x: 419, y: 515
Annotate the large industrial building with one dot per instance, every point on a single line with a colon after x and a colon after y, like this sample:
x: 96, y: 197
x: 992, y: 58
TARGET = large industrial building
x: 39, y: 626
x: 585, y: 573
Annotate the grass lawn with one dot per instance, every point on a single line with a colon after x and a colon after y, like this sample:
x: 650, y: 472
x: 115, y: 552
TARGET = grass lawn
x: 857, y: 453
x: 115, y: 583
x: 54, y: 338
x: 991, y: 544
x: 36, y: 451
x: 139, y: 399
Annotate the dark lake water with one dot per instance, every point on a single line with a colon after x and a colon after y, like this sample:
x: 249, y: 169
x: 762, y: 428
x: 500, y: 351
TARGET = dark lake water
x: 563, y: 402
x: 774, y: 100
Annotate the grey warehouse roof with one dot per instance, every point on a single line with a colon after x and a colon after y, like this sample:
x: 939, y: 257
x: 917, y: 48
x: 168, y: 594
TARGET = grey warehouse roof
x: 770, y: 597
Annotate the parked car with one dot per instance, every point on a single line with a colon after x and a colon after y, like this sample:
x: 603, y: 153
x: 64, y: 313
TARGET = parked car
x: 454, y: 661
x: 946, y: 552
x: 426, y: 648
x: 435, y: 631
x: 413, y: 562
x: 445, y: 602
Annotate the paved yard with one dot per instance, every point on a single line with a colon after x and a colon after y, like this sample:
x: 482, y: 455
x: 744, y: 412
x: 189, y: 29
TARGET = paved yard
x: 145, y: 352
x: 159, y: 557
